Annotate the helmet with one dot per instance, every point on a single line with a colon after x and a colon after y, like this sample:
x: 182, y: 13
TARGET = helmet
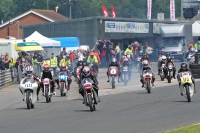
x: 183, y: 66
x: 145, y: 63
x: 86, y: 71
x: 29, y: 70
x: 167, y: 54
x: 91, y: 53
x: 84, y: 63
x: 63, y: 66
x: 80, y: 59
x: 129, y: 46
x: 46, y: 67
x: 163, y: 58
x: 114, y: 62
x: 169, y: 59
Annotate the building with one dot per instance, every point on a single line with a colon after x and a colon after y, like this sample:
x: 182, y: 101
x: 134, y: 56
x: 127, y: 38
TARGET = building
x: 91, y: 29
x: 33, y: 16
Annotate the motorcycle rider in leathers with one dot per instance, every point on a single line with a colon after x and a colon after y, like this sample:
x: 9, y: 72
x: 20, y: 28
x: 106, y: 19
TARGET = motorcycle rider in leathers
x: 184, y: 68
x: 169, y: 60
x: 87, y: 73
x: 115, y: 64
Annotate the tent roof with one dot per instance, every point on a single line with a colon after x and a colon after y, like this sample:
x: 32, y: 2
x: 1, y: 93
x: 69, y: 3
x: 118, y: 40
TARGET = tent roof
x: 68, y: 41
x: 42, y: 40
x: 195, y: 28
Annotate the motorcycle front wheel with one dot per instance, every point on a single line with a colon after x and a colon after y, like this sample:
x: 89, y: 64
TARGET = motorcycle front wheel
x: 47, y: 94
x: 169, y: 78
x: 61, y: 90
x: 188, y: 93
x: 148, y: 87
x: 90, y: 103
x: 28, y: 100
x: 113, y: 82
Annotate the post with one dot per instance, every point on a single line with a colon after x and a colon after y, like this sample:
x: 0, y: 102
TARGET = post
x: 70, y: 11
x: 18, y: 28
x: 181, y: 10
x: 47, y: 4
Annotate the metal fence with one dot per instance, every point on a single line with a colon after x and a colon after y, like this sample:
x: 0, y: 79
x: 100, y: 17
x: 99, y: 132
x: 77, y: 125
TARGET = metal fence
x: 5, y: 77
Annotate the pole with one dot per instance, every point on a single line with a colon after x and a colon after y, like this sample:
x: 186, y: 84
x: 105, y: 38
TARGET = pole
x: 18, y: 28
x: 70, y: 11
x: 47, y: 4
x: 181, y: 10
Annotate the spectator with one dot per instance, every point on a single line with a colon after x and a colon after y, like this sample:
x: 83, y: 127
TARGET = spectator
x: 6, y: 62
x: 28, y: 59
x: 118, y: 51
x: 53, y: 63
x: 72, y: 59
x: 63, y: 52
x: 103, y: 56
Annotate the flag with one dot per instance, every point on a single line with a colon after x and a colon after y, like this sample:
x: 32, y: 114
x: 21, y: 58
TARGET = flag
x: 113, y: 12
x: 172, y: 10
x: 149, y: 5
x: 104, y: 11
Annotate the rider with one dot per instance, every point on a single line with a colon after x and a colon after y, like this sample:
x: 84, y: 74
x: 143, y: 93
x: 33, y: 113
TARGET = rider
x: 184, y: 68
x: 30, y: 75
x: 86, y: 73
x: 79, y: 63
x: 145, y: 57
x: 169, y: 60
x: 93, y: 59
x: 66, y: 60
x: 46, y: 73
x: 162, y: 60
x: 115, y: 64
x: 64, y: 69
x: 146, y: 67
x: 129, y: 50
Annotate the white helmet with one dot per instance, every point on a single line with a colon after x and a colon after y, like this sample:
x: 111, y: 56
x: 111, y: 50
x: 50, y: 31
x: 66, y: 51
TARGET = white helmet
x: 145, y: 62
x: 163, y: 58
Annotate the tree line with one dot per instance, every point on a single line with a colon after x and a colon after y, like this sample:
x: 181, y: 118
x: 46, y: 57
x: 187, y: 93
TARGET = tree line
x: 88, y: 8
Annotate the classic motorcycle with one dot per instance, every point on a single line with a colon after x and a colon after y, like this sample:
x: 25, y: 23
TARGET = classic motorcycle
x: 47, y: 89
x: 187, y: 87
x: 162, y: 74
x: 63, y: 84
x: 147, y: 78
x: 169, y: 70
x: 138, y: 63
x: 29, y: 90
x: 90, y: 96
x: 113, y: 74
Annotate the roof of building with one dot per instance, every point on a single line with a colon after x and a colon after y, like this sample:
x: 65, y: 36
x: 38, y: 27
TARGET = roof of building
x: 49, y: 15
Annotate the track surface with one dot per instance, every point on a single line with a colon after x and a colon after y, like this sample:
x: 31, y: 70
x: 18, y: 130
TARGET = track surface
x: 122, y: 110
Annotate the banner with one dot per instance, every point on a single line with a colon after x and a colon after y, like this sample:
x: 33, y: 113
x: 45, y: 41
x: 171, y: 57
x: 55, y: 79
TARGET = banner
x: 172, y: 10
x: 104, y: 11
x: 126, y: 27
x: 149, y: 5
x: 113, y: 12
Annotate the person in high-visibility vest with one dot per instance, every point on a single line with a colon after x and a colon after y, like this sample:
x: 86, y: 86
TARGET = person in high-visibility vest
x: 53, y: 63
x: 67, y: 61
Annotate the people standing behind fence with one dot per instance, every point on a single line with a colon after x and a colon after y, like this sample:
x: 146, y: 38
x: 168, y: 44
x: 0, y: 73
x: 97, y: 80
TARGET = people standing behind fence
x: 53, y: 63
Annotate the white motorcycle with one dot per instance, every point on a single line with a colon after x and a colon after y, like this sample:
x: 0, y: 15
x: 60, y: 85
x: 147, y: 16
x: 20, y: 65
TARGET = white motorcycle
x: 47, y: 89
x: 29, y: 90
x: 169, y: 72
x: 187, y: 87
x: 63, y: 84
x: 147, y: 78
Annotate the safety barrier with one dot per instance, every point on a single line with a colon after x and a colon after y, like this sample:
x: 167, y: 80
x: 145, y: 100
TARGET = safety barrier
x: 5, y: 77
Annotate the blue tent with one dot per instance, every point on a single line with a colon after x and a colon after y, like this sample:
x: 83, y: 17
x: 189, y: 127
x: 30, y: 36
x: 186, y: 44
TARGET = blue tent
x: 68, y: 41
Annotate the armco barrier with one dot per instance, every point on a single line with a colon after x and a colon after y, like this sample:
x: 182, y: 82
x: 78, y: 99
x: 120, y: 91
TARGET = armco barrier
x: 5, y: 77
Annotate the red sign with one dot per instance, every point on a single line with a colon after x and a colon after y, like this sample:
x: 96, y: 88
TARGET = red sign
x: 172, y: 10
x: 149, y: 5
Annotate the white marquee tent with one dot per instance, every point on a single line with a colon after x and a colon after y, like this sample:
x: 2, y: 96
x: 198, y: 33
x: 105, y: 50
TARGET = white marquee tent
x: 51, y: 46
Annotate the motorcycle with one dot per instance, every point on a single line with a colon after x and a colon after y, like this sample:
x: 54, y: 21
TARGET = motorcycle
x: 47, y: 89
x: 90, y: 96
x: 29, y: 90
x: 187, y: 87
x: 113, y: 73
x: 162, y: 74
x: 169, y: 70
x: 191, y: 54
x: 63, y: 86
x: 147, y: 78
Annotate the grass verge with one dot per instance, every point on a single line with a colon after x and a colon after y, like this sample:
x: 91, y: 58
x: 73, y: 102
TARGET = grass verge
x: 188, y: 129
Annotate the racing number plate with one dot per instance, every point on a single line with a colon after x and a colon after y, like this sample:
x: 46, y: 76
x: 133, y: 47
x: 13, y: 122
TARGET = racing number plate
x: 28, y: 85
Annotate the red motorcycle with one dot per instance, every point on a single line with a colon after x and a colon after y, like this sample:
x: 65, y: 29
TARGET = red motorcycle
x: 113, y: 74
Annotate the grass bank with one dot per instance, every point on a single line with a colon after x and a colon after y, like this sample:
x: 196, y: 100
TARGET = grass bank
x: 187, y: 129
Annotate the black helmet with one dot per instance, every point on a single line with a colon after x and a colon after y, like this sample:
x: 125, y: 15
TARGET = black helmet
x: 145, y: 54
x: 169, y: 58
x: 84, y: 63
x: 183, y: 66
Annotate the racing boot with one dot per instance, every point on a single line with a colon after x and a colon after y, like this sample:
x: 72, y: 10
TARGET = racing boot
x: 38, y: 90
x: 142, y: 83
x: 195, y: 91
x: 158, y: 71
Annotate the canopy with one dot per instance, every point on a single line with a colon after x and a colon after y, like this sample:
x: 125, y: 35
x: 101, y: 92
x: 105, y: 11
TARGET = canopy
x: 42, y: 40
x: 195, y: 28
x: 68, y: 41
